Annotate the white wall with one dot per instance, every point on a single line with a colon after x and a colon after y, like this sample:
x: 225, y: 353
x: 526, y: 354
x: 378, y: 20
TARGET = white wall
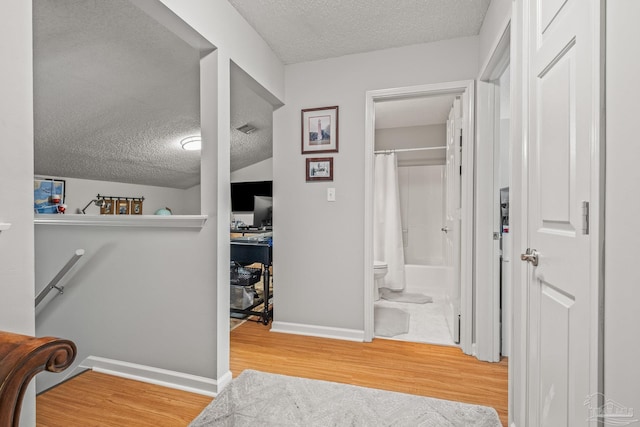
x: 622, y: 279
x: 261, y: 171
x: 79, y: 192
x: 16, y: 175
x: 318, y: 245
x: 157, y: 297
x: 414, y: 137
x: 422, y: 211
x: 495, y: 21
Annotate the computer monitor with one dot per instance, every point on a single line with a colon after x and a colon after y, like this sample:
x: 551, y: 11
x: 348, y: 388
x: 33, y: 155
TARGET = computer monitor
x: 262, y: 211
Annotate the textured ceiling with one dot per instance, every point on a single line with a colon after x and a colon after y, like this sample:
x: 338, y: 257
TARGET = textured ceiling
x: 114, y: 92
x: 307, y: 30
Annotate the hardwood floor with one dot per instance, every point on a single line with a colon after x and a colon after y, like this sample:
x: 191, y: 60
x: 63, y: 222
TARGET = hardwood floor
x: 422, y: 369
x: 93, y: 399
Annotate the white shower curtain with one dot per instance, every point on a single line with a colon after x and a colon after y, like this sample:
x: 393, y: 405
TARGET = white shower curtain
x: 387, y: 222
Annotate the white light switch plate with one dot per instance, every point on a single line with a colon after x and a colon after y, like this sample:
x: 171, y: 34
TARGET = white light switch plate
x: 331, y: 194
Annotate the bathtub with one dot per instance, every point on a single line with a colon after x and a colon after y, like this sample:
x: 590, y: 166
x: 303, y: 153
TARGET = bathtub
x: 426, y: 279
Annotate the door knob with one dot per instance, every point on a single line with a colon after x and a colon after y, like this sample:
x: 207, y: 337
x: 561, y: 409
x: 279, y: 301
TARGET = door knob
x: 445, y: 229
x: 531, y: 255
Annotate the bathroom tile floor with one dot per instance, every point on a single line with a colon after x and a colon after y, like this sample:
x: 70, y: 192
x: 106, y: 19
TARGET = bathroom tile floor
x: 427, y: 323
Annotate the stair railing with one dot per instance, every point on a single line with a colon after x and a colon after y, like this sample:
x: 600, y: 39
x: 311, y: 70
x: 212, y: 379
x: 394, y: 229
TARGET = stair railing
x: 53, y: 284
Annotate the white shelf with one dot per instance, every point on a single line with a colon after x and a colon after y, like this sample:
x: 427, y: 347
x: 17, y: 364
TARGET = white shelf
x: 163, y: 221
x: 4, y: 226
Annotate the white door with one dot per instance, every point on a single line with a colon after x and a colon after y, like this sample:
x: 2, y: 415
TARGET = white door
x: 452, y: 218
x: 563, y: 132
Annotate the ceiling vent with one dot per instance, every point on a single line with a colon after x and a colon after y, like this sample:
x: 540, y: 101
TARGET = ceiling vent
x: 247, y: 129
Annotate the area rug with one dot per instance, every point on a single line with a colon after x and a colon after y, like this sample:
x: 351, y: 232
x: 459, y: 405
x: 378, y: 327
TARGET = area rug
x: 389, y: 322
x: 262, y: 399
x: 396, y: 296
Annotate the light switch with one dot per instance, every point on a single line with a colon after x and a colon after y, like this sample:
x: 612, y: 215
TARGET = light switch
x: 331, y: 194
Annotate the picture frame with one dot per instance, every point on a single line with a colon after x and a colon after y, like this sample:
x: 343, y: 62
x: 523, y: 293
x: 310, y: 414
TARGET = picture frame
x: 48, y: 195
x: 122, y: 207
x: 108, y: 208
x: 320, y: 130
x: 136, y: 207
x: 319, y: 169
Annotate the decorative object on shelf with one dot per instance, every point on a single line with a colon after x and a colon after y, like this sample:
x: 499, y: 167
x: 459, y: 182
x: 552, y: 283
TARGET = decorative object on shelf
x: 136, y: 206
x: 164, y: 211
x: 122, y: 207
x: 108, y: 207
x: 48, y: 195
x: 98, y: 202
x: 320, y: 130
x: 320, y: 169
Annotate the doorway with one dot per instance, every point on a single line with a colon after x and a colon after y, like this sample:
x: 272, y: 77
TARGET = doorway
x: 460, y: 272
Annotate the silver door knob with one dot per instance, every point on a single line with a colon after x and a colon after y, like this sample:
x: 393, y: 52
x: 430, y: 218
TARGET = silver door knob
x: 445, y: 229
x: 531, y: 255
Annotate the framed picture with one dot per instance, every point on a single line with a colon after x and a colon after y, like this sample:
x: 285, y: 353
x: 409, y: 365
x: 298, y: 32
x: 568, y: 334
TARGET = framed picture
x: 320, y: 130
x: 48, y: 195
x: 136, y: 207
x: 122, y: 207
x: 108, y: 207
x: 320, y: 169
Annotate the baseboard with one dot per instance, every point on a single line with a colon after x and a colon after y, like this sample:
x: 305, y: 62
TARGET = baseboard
x: 318, y: 331
x: 149, y: 374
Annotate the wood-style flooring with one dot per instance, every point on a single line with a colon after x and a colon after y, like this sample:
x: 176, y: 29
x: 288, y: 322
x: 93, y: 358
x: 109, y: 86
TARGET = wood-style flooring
x: 94, y: 399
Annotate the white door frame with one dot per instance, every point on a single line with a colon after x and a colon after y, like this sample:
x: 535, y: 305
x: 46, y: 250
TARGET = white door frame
x: 487, y: 299
x: 466, y: 87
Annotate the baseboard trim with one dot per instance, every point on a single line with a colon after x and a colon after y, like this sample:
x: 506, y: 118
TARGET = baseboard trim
x: 158, y: 376
x: 318, y: 331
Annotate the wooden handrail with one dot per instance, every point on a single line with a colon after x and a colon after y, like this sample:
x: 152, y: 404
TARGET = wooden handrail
x: 21, y: 358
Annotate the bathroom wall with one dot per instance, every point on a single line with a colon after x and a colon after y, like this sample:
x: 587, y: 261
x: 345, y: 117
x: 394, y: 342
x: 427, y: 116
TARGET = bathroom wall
x: 422, y: 209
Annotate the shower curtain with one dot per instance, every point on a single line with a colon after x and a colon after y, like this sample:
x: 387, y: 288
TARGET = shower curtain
x: 387, y: 223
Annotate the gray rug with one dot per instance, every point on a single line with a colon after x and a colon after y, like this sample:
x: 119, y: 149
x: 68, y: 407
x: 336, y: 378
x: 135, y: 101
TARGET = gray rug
x: 261, y: 399
x: 389, y: 322
x: 400, y: 296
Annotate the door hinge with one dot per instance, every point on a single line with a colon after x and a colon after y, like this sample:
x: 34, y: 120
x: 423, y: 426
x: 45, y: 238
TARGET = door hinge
x: 585, y: 217
x: 460, y: 170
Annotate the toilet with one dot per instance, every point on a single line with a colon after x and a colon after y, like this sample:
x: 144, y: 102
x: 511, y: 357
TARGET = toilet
x: 379, y: 271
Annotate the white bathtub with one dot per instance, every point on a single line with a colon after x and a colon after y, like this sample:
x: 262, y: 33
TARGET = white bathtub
x: 427, y: 279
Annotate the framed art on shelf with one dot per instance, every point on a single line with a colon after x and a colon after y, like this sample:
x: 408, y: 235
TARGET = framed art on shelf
x: 122, y: 207
x: 319, y: 169
x: 136, y: 207
x: 48, y: 195
x: 107, y: 208
x: 320, y: 130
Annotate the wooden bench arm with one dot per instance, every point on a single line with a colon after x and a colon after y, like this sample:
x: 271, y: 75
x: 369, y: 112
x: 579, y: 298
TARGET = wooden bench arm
x: 21, y: 358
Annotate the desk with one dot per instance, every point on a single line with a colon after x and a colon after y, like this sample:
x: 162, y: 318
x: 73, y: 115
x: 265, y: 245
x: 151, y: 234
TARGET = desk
x: 249, y: 252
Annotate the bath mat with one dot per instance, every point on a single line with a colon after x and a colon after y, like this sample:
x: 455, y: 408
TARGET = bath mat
x: 261, y: 399
x: 389, y: 322
x: 396, y: 296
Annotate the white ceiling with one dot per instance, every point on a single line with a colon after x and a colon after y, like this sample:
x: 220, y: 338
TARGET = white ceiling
x: 307, y: 30
x: 115, y: 91
x: 422, y: 111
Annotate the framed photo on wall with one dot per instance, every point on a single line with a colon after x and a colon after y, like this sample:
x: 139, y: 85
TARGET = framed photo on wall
x: 136, y: 207
x: 320, y: 169
x: 122, y: 207
x: 320, y: 130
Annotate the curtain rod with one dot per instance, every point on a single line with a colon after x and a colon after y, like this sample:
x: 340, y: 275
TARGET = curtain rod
x: 404, y: 150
